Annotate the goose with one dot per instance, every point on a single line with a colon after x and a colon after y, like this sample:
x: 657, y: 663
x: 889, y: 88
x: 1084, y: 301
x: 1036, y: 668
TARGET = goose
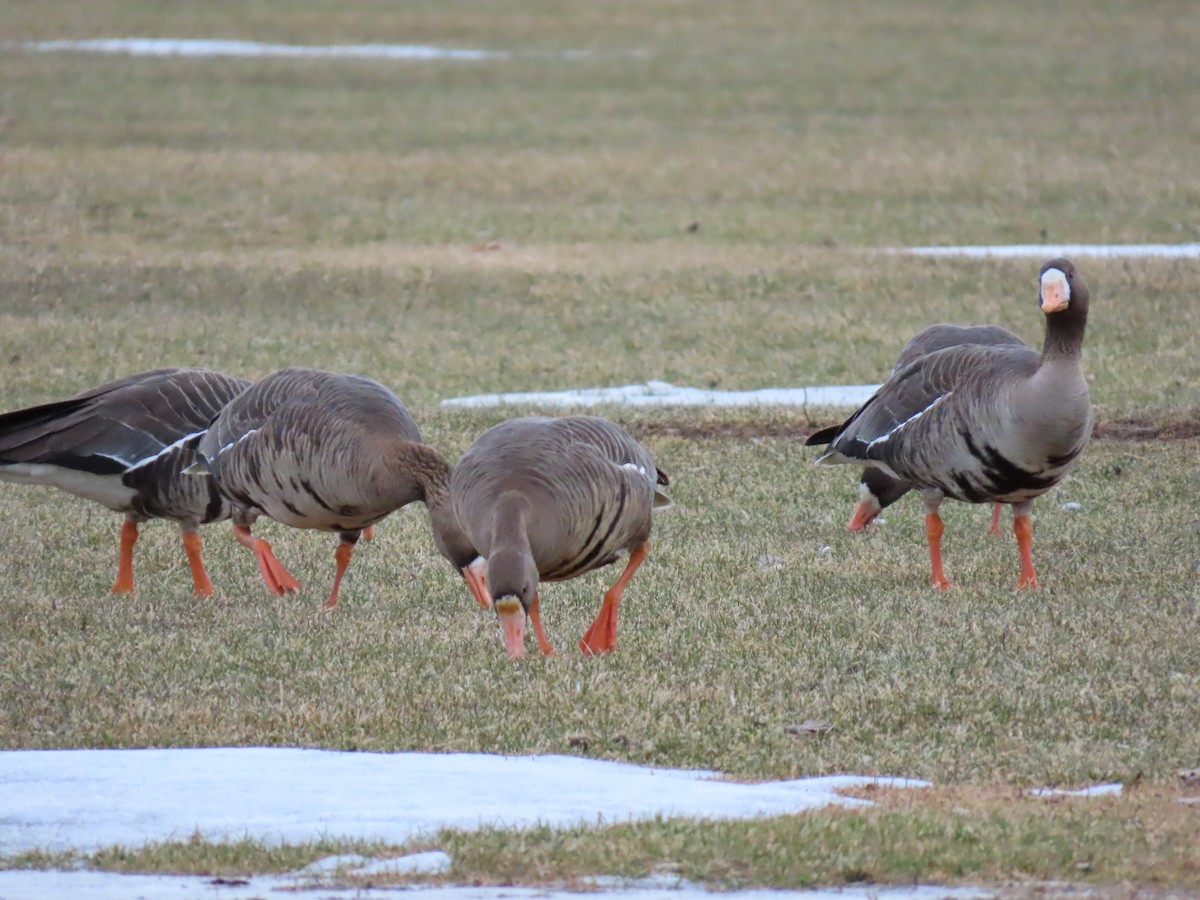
x: 982, y: 423
x: 877, y: 490
x: 332, y: 452
x: 547, y: 499
x: 124, y: 445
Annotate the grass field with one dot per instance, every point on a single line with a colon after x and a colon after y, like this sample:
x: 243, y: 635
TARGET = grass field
x: 700, y: 211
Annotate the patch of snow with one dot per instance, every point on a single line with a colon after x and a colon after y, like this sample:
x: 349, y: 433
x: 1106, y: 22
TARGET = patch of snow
x: 35, y: 885
x: 87, y: 799
x: 1046, y: 251
x: 1072, y: 506
x: 661, y: 393
x: 1095, y: 790
x: 218, y: 48
x: 430, y: 862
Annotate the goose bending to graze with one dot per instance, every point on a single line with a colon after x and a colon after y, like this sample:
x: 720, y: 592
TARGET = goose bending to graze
x: 333, y: 452
x: 982, y: 423
x: 877, y: 490
x: 125, y: 445
x: 546, y: 499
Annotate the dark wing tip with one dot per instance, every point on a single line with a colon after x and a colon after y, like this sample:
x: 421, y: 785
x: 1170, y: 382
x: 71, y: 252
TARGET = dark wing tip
x: 824, y: 436
x: 662, y: 476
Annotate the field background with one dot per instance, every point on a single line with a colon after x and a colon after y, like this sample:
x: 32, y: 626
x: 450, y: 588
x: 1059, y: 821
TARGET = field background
x: 696, y: 200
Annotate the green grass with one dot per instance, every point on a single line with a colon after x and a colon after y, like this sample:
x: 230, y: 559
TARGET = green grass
x: 247, y: 215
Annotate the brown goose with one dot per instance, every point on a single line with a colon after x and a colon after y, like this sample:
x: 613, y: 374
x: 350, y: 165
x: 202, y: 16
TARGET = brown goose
x: 546, y: 499
x: 125, y: 445
x: 877, y: 490
x: 333, y: 452
x: 982, y: 423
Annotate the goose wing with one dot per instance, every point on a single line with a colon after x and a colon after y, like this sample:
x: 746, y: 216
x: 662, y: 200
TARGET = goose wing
x: 119, y: 425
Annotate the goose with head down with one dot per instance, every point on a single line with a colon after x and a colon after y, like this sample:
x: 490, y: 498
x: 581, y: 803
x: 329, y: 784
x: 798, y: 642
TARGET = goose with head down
x: 124, y: 445
x: 547, y: 499
x: 332, y: 452
x: 878, y: 490
x: 982, y: 423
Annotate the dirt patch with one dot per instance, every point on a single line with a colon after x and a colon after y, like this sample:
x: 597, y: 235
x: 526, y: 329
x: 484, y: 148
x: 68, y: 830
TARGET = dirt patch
x: 1184, y: 428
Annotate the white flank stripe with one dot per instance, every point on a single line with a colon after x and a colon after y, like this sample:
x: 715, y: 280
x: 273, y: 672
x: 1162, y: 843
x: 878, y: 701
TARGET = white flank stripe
x: 233, y: 444
x: 909, y: 420
x: 166, y: 449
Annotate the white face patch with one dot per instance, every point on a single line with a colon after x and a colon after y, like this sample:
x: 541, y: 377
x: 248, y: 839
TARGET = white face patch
x: 1055, y: 281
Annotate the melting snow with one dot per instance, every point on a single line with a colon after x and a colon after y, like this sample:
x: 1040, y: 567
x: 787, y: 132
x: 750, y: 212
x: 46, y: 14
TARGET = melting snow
x: 200, y: 48
x: 1047, y: 251
x: 1095, y: 790
x: 212, y: 48
x: 87, y: 799
x: 28, y: 885
x: 660, y: 393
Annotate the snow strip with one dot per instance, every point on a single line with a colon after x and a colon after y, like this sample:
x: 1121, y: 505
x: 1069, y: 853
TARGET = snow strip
x: 1047, y: 251
x: 58, y: 800
x: 219, y: 48
x: 660, y: 393
x: 209, y: 49
x: 33, y: 885
x: 1095, y: 790
x: 431, y: 862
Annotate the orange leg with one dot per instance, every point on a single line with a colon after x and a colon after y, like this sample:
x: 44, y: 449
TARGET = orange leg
x: 369, y: 533
x: 342, y: 554
x: 201, y: 586
x: 933, y: 531
x: 129, y: 536
x: 994, y: 528
x: 278, y: 578
x: 602, y: 636
x: 1023, y: 529
x: 535, y: 616
x: 476, y: 576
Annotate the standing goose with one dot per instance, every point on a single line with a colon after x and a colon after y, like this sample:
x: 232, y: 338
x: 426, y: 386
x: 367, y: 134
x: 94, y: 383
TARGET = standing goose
x: 315, y: 449
x: 982, y: 423
x: 877, y: 490
x: 125, y: 445
x: 546, y: 499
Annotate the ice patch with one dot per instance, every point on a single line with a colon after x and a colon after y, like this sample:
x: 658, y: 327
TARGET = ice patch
x: 1095, y: 790
x: 431, y: 862
x: 35, y: 885
x: 86, y: 799
x: 218, y: 48
x: 1047, y: 251
x: 209, y: 49
x: 660, y: 393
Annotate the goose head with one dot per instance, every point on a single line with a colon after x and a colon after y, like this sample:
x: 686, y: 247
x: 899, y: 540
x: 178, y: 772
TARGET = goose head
x: 512, y: 579
x: 1060, y: 287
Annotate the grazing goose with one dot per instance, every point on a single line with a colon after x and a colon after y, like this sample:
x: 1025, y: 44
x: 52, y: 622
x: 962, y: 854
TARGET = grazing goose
x: 982, y: 423
x: 125, y: 445
x: 877, y: 490
x: 546, y: 499
x: 333, y: 452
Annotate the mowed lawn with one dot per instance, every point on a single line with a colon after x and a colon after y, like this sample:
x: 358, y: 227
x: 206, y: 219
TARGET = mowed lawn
x: 700, y: 198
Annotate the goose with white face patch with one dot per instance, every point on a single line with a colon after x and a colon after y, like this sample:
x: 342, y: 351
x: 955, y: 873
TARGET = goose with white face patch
x: 982, y: 423
x: 124, y: 445
x: 547, y: 499
x: 878, y: 490
x: 332, y: 452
